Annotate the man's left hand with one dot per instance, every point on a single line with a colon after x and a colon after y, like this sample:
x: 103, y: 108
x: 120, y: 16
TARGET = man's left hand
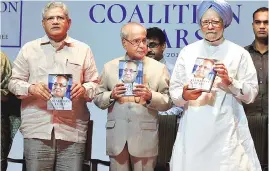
x: 222, y: 73
x: 77, y: 90
x: 142, y: 91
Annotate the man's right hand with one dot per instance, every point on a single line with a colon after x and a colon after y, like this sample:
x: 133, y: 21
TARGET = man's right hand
x: 118, y: 91
x: 40, y: 90
x: 191, y: 94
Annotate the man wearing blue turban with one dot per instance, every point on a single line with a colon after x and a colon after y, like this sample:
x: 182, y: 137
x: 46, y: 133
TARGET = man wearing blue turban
x: 213, y: 133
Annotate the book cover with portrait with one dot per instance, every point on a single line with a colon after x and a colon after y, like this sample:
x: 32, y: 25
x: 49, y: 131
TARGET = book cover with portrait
x: 203, y: 74
x: 131, y: 74
x: 60, y: 89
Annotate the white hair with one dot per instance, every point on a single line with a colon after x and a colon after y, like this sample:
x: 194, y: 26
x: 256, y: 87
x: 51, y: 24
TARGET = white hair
x: 55, y: 5
x: 125, y: 30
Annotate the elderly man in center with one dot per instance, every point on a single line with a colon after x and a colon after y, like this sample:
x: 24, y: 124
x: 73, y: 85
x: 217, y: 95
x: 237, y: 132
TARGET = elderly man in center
x: 213, y: 134
x: 132, y: 121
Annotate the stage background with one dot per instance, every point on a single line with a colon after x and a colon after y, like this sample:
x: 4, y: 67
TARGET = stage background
x: 98, y: 24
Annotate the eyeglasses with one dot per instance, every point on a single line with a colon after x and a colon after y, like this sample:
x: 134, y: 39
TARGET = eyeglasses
x: 60, y: 85
x: 214, y: 23
x: 204, y: 67
x: 136, y: 42
x: 52, y: 18
x: 153, y: 44
x: 129, y: 70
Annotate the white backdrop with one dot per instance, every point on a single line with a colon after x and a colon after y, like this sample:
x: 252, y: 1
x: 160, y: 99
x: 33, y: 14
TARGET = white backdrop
x: 98, y: 24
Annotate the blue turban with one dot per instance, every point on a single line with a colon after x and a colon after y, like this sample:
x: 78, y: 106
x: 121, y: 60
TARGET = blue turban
x: 220, y: 6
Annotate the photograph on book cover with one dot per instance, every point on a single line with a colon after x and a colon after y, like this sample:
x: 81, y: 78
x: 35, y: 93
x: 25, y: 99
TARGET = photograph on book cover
x: 203, y: 74
x: 131, y: 74
x: 60, y: 85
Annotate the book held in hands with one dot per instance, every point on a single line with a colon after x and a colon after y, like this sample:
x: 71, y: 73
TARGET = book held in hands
x: 203, y: 74
x: 131, y: 74
x: 60, y: 85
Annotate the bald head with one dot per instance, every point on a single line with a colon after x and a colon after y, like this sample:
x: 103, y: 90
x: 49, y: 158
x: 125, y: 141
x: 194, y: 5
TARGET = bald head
x: 128, y: 29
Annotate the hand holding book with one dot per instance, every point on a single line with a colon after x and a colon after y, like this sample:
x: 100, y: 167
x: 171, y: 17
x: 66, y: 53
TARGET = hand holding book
x: 222, y: 73
x: 142, y: 91
x: 118, y: 91
x: 191, y: 94
x: 77, y: 90
x: 40, y: 90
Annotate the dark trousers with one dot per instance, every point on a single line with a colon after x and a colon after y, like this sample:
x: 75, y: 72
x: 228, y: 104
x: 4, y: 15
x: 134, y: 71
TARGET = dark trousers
x: 258, y: 126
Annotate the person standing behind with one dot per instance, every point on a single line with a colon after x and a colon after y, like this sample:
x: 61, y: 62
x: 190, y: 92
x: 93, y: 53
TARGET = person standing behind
x: 132, y: 121
x: 10, y: 112
x: 156, y: 46
x: 54, y: 139
x: 215, y: 136
x: 259, y: 109
x: 168, y: 120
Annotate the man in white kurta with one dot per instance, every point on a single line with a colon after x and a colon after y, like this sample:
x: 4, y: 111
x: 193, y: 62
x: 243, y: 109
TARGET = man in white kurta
x: 213, y: 134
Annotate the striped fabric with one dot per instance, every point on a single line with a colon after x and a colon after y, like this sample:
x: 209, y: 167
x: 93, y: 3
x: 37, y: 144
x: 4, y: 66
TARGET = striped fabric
x: 167, y: 136
x: 258, y: 126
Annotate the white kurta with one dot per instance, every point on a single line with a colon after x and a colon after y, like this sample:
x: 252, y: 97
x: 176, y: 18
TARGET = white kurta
x: 213, y: 134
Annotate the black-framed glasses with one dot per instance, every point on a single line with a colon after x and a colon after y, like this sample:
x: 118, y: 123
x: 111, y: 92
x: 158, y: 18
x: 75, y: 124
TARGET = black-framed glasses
x: 58, y: 18
x: 214, y: 23
x: 153, y: 44
x: 136, y: 42
x: 129, y: 70
x: 60, y: 85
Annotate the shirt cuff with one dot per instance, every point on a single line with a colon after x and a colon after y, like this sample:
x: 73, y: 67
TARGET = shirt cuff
x: 23, y: 91
x: 235, y: 87
x: 90, y: 88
